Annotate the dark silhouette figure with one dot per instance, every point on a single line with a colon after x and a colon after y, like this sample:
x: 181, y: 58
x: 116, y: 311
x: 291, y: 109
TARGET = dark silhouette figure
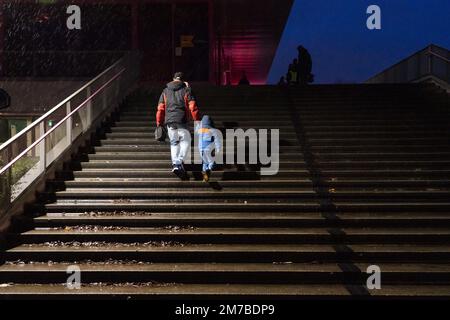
x: 282, y: 82
x: 244, y: 80
x: 305, y: 75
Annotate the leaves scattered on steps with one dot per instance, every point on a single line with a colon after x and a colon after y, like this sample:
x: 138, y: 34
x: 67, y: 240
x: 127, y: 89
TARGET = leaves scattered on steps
x: 95, y: 228
x: 115, y: 213
x: 179, y: 228
x: 89, y: 228
x: 131, y: 284
x: 102, y: 285
x: 103, y: 244
x: 122, y: 201
x: 108, y: 262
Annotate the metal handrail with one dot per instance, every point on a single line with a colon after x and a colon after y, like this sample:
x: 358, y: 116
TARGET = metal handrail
x: 83, y: 104
x: 94, y: 101
x: 56, y: 108
x: 430, y: 52
x: 412, y: 69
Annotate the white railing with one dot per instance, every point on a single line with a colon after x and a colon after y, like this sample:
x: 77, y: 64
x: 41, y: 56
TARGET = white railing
x: 26, y: 156
x: 431, y: 63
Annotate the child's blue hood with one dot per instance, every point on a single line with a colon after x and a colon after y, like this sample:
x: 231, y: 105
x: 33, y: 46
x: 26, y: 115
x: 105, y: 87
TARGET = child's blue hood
x: 206, y: 122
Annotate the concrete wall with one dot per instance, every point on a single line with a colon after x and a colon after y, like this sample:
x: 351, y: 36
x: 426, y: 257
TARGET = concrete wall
x: 35, y: 97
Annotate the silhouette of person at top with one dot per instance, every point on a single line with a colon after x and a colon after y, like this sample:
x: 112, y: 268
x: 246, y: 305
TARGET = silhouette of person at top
x: 282, y: 82
x: 244, y: 80
x: 304, y: 66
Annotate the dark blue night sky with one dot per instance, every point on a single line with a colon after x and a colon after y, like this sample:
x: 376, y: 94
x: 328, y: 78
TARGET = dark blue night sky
x: 342, y: 47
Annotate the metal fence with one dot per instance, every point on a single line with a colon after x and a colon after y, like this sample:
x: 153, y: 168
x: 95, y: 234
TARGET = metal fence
x: 431, y: 62
x: 26, y: 156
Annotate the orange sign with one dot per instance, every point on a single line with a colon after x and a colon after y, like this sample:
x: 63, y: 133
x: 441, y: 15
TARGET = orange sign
x: 187, y: 41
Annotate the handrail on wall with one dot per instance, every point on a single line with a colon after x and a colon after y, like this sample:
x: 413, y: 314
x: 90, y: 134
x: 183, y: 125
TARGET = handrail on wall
x: 39, y: 145
x: 54, y: 109
x: 432, y: 62
x: 36, y: 142
x: 438, y: 56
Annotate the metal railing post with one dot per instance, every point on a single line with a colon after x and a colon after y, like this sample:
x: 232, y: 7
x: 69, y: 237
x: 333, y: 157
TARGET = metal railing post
x: 430, y: 57
x: 68, y: 124
x: 5, y: 182
x: 42, y: 148
x: 105, y: 99
x: 88, y: 108
x: 117, y: 90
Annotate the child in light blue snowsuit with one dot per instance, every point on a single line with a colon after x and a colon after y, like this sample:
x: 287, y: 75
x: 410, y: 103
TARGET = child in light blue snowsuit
x: 209, y: 140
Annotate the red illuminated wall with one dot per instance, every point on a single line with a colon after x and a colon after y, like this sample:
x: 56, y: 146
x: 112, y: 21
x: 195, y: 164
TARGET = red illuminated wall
x: 250, y: 32
x: 234, y: 35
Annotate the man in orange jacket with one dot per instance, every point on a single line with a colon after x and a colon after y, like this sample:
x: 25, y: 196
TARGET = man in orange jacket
x: 176, y: 105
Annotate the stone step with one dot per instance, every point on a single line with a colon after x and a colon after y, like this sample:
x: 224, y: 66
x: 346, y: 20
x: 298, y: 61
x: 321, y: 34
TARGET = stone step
x: 418, y: 166
x: 247, y: 219
x: 369, y: 122
x: 385, y: 183
x: 378, y: 133
x: 105, y: 183
x: 232, y: 123
x: 228, y: 273
x: 408, y: 156
x: 149, y: 135
x: 378, y: 148
x: 113, y: 154
x: 263, y: 205
x: 390, y: 141
x: 142, y: 148
x: 196, y: 291
x: 237, y: 235
x: 237, y: 116
x: 401, y: 115
x: 176, y: 252
x: 170, y: 194
x: 151, y: 129
x: 167, y: 165
x: 227, y: 175
x: 375, y: 173
x: 392, y: 205
x: 323, y: 129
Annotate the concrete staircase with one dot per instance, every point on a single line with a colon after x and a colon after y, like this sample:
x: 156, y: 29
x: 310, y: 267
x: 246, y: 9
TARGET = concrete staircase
x: 364, y: 180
